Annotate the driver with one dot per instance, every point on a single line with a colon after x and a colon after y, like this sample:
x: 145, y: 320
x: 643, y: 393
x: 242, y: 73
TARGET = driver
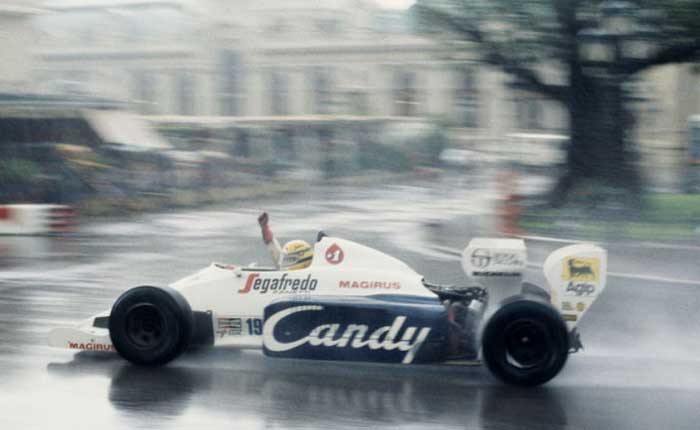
x: 295, y: 255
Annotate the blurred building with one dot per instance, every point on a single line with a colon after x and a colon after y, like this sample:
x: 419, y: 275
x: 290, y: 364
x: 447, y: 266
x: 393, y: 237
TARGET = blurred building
x: 273, y: 59
x: 270, y: 58
x: 16, y: 35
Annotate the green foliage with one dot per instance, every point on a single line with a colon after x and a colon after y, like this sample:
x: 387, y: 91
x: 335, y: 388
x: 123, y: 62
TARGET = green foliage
x: 613, y: 230
x: 383, y: 157
x: 524, y: 31
x: 270, y: 167
x: 14, y: 171
x: 18, y: 179
x: 673, y: 208
x: 525, y: 38
x: 677, y: 18
x: 661, y: 217
x: 599, y: 195
x: 433, y: 145
x: 411, y: 144
x: 520, y: 35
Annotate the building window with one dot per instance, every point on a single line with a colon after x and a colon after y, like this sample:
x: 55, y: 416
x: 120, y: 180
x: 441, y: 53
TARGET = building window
x: 279, y: 93
x: 405, y: 94
x: 230, y: 94
x: 144, y: 93
x: 279, y: 27
x: 327, y: 26
x: 283, y: 142
x: 75, y: 83
x: 88, y: 36
x: 467, y: 99
x: 358, y: 102
x: 528, y: 113
x: 241, y: 147
x: 185, y: 93
x: 322, y: 91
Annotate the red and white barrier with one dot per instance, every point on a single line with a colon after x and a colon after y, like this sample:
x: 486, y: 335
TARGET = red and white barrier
x: 31, y: 219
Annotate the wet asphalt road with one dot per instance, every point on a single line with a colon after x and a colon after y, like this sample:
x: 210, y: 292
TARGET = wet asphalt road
x: 640, y: 369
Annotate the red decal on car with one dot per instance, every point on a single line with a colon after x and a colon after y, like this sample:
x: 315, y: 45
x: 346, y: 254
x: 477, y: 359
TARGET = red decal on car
x: 334, y: 254
x: 284, y: 284
x: 248, y: 283
x: 5, y: 212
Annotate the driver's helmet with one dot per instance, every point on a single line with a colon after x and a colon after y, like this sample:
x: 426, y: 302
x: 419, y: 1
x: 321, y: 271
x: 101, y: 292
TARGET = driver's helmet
x: 296, y: 254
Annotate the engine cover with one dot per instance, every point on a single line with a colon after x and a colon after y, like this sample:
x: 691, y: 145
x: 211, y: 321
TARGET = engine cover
x: 381, y: 328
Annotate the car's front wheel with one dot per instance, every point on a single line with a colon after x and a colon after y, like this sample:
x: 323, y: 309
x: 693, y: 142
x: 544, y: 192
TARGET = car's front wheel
x: 525, y: 342
x: 151, y: 325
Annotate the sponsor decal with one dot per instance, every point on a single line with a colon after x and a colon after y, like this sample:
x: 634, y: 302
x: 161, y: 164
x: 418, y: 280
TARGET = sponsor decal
x: 91, y: 346
x: 482, y: 258
x: 334, y: 254
x: 581, y: 269
x: 281, y: 285
x: 492, y: 274
x: 238, y: 326
x: 507, y: 259
x: 569, y: 317
x: 229, y: 327
x: 568, y: 306
x: 579, y: 289
x: 351, y: 336
x: 370, y: 285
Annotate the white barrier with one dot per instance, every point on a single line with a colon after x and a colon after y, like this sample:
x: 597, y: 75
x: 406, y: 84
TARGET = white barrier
x: 536, y: 149
x: 31, y: 219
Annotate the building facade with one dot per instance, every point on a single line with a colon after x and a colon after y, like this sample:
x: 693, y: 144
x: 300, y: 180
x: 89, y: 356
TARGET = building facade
x: 297, y: 58
x: 16, y: 36
x: 266, y: 58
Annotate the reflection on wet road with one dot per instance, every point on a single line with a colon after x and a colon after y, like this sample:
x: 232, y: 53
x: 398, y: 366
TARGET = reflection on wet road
x: 640, y: 368
x: 227, y: 387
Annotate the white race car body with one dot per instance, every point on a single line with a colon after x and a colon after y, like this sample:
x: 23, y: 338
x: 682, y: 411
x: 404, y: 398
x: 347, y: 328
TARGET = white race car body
x: 236, y: 295
x: 355, y: 303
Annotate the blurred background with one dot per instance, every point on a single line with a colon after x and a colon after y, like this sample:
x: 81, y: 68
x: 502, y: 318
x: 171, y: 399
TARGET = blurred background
x: 122, y: 106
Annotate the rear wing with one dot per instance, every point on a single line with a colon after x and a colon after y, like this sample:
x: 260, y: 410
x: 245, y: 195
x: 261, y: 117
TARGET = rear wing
x: 576, y: 275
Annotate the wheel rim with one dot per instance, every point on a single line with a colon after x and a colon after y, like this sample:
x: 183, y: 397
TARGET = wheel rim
x: 144, y: 326
x: 527, y: 344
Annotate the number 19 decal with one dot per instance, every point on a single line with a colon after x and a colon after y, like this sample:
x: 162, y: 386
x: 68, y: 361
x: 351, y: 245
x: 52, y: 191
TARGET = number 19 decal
x: 255, y: 326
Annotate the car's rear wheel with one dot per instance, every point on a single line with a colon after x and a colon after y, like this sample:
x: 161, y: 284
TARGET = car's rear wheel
x: 151, y: 325
x: 525, y: 342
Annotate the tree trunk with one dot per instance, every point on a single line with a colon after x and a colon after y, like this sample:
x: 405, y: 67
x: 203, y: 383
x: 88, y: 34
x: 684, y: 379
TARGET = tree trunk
x: 598, y: 145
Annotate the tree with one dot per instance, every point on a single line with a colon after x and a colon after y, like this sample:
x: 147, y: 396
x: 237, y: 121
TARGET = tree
x: 526, y: 38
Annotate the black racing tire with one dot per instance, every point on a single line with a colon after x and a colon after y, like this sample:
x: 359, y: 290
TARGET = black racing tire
x: 525, y: 342
x: 535, y: 291
x: 151, y: 325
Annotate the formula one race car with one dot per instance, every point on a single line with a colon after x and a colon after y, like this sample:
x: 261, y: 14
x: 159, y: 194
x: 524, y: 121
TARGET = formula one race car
x: 354, y: 303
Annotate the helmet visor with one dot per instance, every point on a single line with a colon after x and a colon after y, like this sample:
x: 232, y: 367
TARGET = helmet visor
x: 296, y: 257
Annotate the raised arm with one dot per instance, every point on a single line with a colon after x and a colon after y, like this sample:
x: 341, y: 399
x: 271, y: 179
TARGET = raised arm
x: 272, y: 245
